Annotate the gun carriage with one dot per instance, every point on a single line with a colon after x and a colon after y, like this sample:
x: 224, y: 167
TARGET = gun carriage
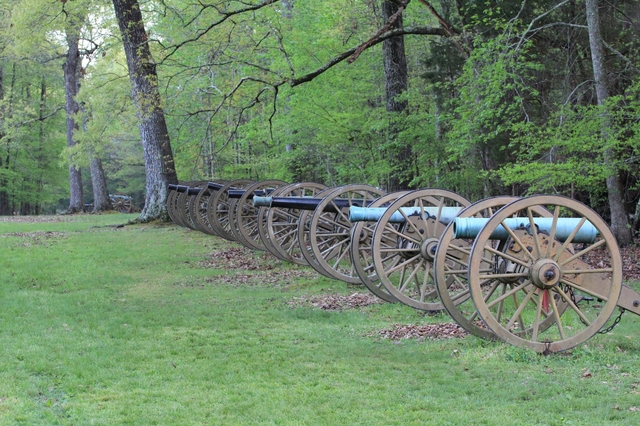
x: 508, y: 268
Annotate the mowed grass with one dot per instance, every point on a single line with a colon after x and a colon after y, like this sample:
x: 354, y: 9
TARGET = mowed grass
x: 105, y: 325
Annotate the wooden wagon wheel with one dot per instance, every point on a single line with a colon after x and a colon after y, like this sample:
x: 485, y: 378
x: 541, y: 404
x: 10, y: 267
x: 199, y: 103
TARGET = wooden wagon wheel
x: 279, y: 230
x: 243, y: 219
x: 361, y: 252
x: 451, y: 260
x: 201, y: 202
x: 180, y: 204
x: 330, y: 230
x: 193, y: 208
x: 303, y: 238
x: 405, y: 266
x: 218, y: 208
x: 539, y: 264
x: 171, y: 208
x: 121, y: 203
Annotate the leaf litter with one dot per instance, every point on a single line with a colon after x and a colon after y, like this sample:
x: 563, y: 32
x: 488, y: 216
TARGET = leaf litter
x: 37, y: 238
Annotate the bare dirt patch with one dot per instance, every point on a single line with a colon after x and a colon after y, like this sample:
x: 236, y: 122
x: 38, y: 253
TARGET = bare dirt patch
x: 336, y: 302
x: 426, y: 331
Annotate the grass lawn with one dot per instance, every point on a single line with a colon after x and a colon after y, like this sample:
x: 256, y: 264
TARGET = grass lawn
x: 159, y: 325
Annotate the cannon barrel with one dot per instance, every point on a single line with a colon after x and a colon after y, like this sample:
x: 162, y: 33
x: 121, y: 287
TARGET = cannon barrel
x: 193, y: 190
x: 304, y: 203
x: 470, y: 227
x: 238, y: 193
x: 373, y: 214
x: 181, y: 188
x: 172, y: 186
x: 215, y: 186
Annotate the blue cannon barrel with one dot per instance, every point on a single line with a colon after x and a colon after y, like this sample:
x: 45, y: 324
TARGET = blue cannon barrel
x: 470, y: 227
x: 304, y: 203
x: 373, y: 214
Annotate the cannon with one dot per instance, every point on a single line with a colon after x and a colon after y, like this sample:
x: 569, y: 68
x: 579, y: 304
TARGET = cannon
x: 323, y: 229
x: 404, y: 240
x: 121, y: 203
x: 536, y: 288
x: 521, y: 272
x: 508, y: 268
x: 277, y: 226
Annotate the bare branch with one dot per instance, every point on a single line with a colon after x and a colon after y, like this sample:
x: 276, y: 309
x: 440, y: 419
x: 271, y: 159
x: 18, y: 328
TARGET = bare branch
x: 225, y: 16
x: 621, y: 56
x: 449, y: 29
x: 369, y: 43
x: 537, y: 18
x: 386, y: 27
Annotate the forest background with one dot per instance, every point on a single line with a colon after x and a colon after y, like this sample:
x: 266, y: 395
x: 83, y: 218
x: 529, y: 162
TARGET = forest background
x: 481, y: 98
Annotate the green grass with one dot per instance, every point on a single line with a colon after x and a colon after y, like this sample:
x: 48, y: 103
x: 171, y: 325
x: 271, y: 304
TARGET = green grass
x: 102, y: 325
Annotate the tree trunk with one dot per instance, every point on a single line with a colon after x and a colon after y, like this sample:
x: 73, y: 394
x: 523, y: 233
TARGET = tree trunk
x: 395, y: 78
x: 158, y: 158
x: 619, y: 220
x: 71, y: 71
x: 101, y: 200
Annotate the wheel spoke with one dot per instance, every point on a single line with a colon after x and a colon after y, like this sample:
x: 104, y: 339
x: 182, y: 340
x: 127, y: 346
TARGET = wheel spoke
x: 518, y: 241
x: 584, y: 290
x: 507, y: 294
x: 534, y: 232
x: 573, y: 306
x: 582, y: 252
x: 556, y: 315
x: 569, y: 239
x: 518, y: 311
x: 506, y: 256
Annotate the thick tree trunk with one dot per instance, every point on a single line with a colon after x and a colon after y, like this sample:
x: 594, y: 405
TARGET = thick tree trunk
x: 158, y: 158
x: 619, y: 219
x: 101, y: 200
x: 71, y: 71
x: 395, y: 77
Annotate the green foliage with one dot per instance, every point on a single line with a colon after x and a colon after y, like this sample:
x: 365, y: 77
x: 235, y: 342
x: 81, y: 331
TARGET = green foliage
x: 568, y: 154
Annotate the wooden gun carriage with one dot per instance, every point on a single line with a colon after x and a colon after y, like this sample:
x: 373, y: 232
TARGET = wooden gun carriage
x: 522, y: 270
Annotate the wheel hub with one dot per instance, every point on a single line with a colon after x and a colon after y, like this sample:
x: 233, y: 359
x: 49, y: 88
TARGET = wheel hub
x: 545, y: 273
x: 428, y: 248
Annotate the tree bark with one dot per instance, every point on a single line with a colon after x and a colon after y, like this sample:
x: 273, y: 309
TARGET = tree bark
x: 158, y: 158
x: 101, y: 200
x: 395, y: 78
x: 71, y: 71
x: 619, y: 219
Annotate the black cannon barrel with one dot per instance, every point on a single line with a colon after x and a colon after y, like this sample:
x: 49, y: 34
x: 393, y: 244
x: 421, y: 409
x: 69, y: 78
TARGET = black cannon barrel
x: 193, y: 190
x: 310, y: 203
x: 238, y: 193
x: 215, y: 186
x: 182, y: 188
x: 172, y: 187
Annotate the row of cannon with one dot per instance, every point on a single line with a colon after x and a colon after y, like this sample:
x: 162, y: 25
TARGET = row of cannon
x: 542, y: 272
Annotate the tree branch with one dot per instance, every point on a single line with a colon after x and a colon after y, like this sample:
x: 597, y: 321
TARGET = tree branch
x: 369, y: 43
x: 225, y: 16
